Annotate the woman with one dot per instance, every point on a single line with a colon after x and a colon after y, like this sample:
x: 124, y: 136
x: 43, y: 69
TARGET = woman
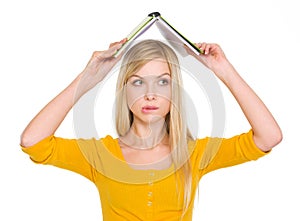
x: 151, y: 171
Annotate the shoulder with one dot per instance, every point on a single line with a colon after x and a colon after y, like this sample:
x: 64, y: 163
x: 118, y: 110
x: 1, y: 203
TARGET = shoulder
x: 207, y: 146
x: 110, y: 143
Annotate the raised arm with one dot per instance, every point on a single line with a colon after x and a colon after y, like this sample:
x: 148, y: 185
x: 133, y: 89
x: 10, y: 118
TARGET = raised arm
x: 266, y: 132
x: 46, y: 122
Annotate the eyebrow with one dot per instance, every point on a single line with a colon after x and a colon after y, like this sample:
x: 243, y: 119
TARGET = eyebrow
x: 135, y: 75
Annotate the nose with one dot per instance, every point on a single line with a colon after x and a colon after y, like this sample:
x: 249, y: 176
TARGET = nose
x: 150, y: 95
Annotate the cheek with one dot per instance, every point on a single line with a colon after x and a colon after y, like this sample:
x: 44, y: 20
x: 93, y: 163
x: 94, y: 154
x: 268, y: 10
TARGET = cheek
x: 165, y: 106
x: 163, y: 92
x: 133, y: 96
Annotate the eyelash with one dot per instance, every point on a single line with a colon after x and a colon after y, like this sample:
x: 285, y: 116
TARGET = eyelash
x: 136, y: 84
x: 165, y: 81
x: 140, y: 82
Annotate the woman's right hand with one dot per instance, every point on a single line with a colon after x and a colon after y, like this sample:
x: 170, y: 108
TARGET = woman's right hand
x: 99, y: 66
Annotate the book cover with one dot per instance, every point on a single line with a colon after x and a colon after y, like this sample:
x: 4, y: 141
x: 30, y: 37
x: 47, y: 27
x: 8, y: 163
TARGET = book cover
x: 175, y: 38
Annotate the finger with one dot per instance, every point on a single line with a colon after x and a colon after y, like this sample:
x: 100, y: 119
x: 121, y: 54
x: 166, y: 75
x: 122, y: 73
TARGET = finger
x: 113, y: 44
x: 208, y: 48
x: 123, y: 40
x: 118, y: 42
x: 213, y: 49
x: 199, y: 45
x: 205, y: 47
x: 202, y: 46
x: 109, y: 53
x: 113, y: 48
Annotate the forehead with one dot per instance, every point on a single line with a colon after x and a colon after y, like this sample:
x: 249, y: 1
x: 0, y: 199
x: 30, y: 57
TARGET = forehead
x: 154, y: 67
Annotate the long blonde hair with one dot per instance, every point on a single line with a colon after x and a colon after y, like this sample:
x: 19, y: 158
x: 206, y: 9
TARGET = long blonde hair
x: 178, y: 131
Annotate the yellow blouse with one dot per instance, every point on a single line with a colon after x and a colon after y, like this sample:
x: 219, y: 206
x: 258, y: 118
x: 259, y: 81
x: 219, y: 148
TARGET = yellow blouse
x: 135, y: 195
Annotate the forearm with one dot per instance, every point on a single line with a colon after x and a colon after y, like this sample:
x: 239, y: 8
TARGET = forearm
x: 50, y: 117
x: 46, y: 122
x: 266, y: 132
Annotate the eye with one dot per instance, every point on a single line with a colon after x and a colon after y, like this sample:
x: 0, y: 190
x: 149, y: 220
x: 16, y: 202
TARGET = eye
x: 163, y: 82
x: 137, y: 82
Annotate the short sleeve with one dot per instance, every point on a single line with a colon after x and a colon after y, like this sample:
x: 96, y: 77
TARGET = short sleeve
x: 63, y: 153
x: 216, y: 153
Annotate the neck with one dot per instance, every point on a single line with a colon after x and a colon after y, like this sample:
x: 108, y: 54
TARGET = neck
x: 146, y: 135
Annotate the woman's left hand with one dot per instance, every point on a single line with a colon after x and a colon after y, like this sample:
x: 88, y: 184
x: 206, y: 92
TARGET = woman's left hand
x: 214, y: 58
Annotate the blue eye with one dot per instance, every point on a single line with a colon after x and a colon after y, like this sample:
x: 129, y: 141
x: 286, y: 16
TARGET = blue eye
x: 137, y: 82
x: 163, y: 82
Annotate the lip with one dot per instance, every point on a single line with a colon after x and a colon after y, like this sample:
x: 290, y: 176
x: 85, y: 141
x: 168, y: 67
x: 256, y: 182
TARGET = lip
x: 147, y: 109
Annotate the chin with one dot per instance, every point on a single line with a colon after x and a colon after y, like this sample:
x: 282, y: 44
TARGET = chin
x: 150, y: 118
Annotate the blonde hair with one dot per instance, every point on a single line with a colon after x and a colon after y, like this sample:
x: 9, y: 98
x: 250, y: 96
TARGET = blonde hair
x: 179, y: 134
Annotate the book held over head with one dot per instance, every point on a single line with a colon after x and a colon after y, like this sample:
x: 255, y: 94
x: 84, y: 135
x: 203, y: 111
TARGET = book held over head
x: 173, y: 37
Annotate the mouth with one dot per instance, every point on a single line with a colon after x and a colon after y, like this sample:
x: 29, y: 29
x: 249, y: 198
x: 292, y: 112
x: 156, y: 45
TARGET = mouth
x: 147, y: 109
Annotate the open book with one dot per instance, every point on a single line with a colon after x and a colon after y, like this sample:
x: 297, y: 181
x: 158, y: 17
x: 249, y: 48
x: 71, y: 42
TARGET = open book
x: 177, y: 40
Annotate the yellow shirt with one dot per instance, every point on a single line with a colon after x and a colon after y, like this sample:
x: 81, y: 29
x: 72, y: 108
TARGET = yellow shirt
x: 134, y: 195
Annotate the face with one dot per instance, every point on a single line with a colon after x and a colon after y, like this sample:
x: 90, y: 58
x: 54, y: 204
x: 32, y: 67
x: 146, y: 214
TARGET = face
x: 149, y: 91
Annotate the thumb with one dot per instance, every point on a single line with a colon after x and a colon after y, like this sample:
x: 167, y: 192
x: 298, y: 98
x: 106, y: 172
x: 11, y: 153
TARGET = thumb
x: 113, y: 48
x: 118, y: 42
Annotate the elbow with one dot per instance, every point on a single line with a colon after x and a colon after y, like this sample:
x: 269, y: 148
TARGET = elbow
x: 276, y: 139
x: 26, y: 140
x: 268, y: 142
x: 280, y: 137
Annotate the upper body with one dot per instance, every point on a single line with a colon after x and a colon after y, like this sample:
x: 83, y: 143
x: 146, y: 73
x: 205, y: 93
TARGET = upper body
x: 135, y: 194
x: 153, y: 135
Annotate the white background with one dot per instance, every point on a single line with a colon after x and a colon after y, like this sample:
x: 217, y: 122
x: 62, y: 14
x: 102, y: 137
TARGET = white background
x: 45, y: 44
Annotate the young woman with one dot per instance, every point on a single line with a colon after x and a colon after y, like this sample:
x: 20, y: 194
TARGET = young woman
x: 151, y: 171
